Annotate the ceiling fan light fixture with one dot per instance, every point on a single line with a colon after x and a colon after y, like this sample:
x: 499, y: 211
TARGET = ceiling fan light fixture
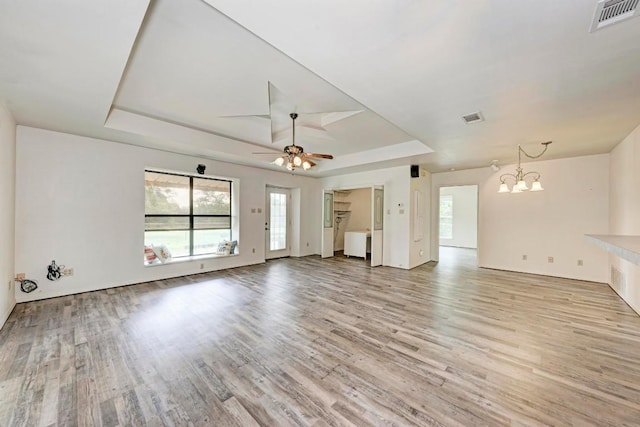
x: 294, y: 155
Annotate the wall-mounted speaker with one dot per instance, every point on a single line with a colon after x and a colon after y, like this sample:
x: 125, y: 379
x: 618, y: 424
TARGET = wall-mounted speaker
x: 415, y: 171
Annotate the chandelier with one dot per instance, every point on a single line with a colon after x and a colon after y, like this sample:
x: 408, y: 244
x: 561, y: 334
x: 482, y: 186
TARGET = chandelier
x: 519, y: 178
x: 294, y: 155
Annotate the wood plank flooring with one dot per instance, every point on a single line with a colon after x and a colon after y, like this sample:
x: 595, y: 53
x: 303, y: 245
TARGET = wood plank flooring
x: 312, y: 342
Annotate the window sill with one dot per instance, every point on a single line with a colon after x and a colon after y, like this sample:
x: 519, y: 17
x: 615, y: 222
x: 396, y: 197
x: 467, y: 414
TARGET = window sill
x: 187, y: 259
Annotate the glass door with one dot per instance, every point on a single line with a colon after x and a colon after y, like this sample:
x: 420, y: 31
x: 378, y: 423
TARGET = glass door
x: 327, y: 224
x: 377, y: 216
x: 277, y: 222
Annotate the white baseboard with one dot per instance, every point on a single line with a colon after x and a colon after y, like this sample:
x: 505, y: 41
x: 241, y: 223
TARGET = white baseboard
x: 6, y: 315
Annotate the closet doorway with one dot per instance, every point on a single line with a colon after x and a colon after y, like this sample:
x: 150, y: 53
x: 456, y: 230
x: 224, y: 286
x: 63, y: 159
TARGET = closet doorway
x: 353, y: 223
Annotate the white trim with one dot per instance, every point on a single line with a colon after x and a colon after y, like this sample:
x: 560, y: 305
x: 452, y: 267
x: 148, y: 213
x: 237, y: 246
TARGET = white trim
x: 4, y: 318
x: 189, y: 258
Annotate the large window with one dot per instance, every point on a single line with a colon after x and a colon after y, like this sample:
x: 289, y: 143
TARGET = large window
x: 446, y: 217
x: 190, y: 215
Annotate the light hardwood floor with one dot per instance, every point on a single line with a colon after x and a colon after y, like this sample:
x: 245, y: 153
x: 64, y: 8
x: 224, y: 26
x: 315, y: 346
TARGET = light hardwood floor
x: 326, y: 342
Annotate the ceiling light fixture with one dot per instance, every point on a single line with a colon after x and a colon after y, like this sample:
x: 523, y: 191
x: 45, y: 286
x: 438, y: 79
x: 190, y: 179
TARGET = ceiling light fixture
x: 519, y: 177
x: 294, y: 155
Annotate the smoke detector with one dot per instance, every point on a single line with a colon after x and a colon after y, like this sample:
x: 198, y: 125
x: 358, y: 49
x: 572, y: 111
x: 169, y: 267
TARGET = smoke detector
x: 477, y: 116
x: 609, y: 12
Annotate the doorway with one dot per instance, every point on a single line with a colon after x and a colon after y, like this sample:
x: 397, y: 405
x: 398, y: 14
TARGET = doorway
x: 277, y: 222
x: 458, y: 221
x: 353, y: 223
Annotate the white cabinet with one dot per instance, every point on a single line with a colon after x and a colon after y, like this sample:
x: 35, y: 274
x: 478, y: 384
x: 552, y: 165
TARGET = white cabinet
x: 357, y: 243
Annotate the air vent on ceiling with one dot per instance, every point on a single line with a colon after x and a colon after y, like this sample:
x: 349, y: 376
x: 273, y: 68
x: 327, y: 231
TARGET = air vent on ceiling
x: 474, y: 117
x: 610, y: 12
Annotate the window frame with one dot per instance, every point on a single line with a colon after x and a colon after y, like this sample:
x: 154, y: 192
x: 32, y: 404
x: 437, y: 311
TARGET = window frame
x: 191, y: 215
x: 440, y: 216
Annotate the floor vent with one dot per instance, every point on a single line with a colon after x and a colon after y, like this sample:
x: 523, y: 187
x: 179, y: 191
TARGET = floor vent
x: 476, y: 117
x: 618, y: 282
x: 609, y: 12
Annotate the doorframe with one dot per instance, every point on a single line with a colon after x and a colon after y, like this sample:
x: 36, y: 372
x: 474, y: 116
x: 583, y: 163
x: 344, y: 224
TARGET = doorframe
x: 281, y: 253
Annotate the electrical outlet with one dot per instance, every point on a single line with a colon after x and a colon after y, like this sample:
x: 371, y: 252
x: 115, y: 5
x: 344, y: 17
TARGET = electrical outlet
x: 201, y: 266
x: 580, y: 263
x: 550, y: 260
x: 20, y: 276
x: 253, y: 250
x: 524, y: 257
x: 67, y: 272
x: 10, y: 284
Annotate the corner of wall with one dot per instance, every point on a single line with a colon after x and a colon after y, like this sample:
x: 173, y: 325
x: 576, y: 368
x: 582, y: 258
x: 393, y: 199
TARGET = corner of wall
x: 624, y: 214
x: 7, y: 214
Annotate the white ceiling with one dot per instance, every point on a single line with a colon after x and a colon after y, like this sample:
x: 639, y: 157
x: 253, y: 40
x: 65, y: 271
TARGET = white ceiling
x: 218, y: 78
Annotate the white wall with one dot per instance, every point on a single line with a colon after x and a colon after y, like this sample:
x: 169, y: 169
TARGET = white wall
x: 465, y: 216
x: 7, y: 213
x: 80, y: 201
x: 547, y: 223
x: 359, y: 217
x: 624, y: 206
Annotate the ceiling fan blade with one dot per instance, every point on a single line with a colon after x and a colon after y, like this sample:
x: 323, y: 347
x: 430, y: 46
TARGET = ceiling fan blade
x: 312, y: 163
x: 320, y: 156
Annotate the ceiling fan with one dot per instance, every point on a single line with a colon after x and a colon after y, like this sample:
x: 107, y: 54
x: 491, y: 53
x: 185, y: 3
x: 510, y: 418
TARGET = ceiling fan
x: 294, y: 155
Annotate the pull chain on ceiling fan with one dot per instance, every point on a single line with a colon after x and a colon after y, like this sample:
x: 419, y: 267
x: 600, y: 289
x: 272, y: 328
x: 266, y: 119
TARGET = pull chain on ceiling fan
x: 294, y: 155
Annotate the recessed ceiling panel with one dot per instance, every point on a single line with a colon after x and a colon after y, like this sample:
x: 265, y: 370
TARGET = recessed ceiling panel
x: 194, y: 66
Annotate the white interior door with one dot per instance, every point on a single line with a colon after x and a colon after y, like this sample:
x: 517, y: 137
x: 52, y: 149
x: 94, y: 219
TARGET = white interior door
x: 377, y: 219
x: 277, y: 223
x: 327, y: 224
